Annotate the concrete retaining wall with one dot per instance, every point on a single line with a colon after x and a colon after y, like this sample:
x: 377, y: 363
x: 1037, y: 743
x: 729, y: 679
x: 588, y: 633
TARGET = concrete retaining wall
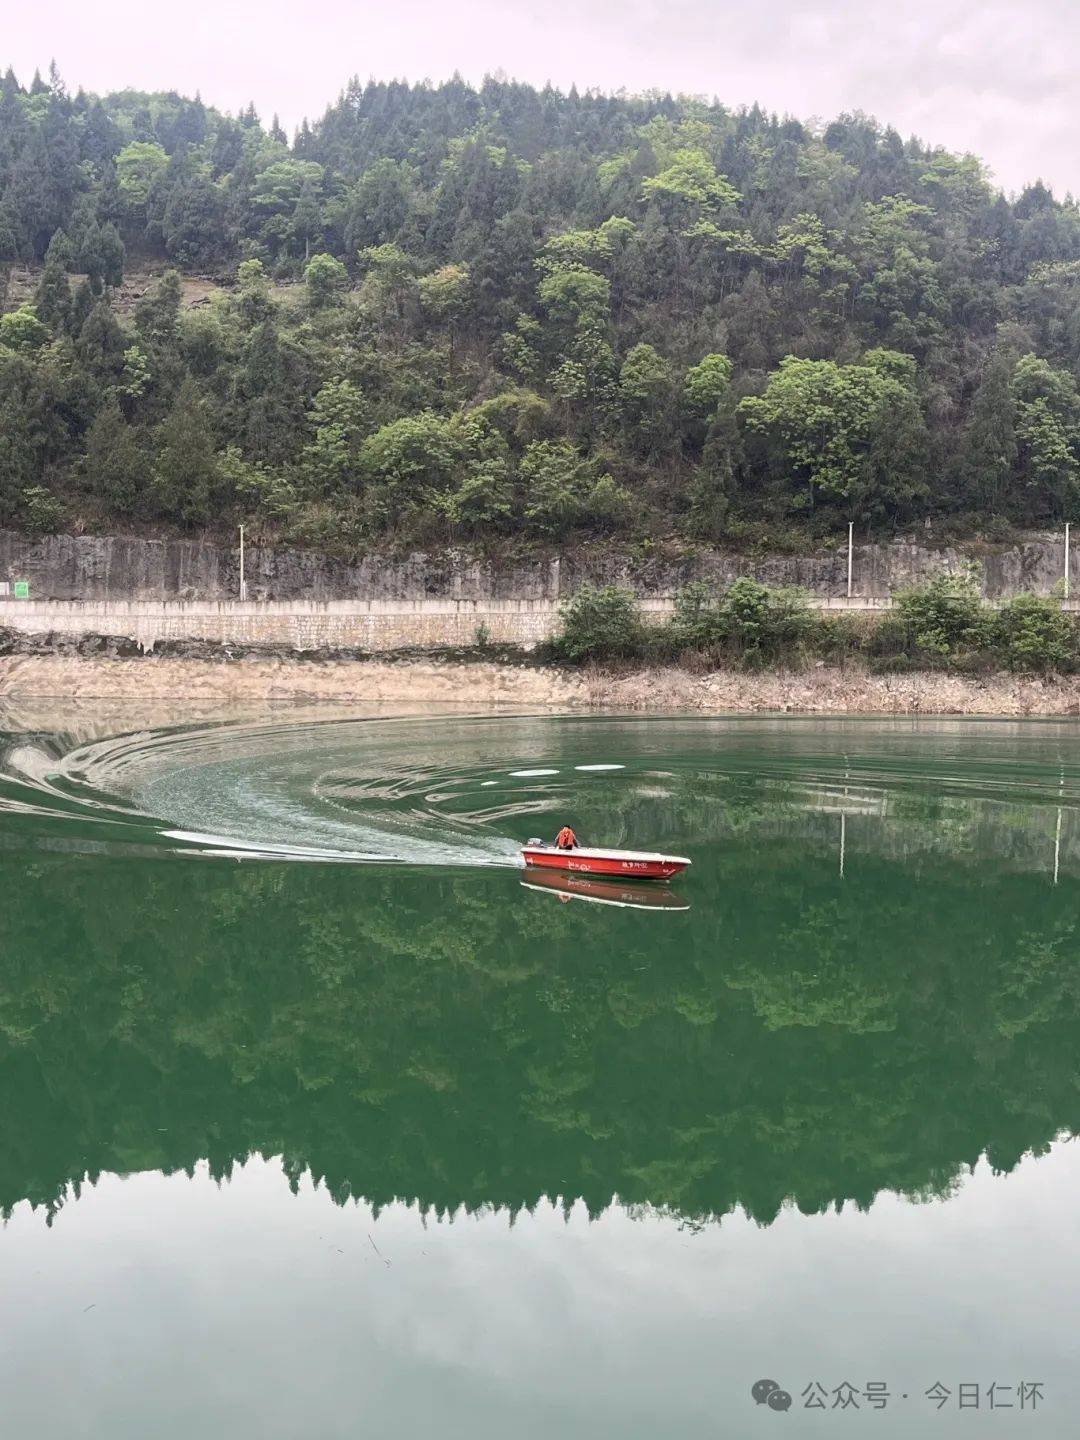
x: 156, y: 590
x: 373, y: 625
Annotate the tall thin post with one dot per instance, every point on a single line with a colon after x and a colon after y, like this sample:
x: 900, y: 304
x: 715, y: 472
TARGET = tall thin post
x: 850, y: 545
x: 1066, y: 560
x: 843, y: 816
x: 243, y: 582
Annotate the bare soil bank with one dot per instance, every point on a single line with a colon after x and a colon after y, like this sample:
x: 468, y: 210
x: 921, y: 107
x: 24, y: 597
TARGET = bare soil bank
x: 477, y: 684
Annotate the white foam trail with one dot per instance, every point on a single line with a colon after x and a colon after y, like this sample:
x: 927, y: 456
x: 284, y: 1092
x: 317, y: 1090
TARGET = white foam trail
x: 599, y: 767
x: 528, y: 773
x: 227, y: 845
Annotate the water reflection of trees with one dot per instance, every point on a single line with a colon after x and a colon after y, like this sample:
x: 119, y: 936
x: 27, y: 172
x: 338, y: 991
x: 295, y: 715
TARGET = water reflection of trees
x: 461, y: 1042
x: 901, y: 824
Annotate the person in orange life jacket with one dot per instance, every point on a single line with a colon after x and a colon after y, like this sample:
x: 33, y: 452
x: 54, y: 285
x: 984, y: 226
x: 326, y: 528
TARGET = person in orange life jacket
x: 566, y: 839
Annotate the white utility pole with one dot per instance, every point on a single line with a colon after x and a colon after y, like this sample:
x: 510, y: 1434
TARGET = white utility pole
x: 1066, y: 560
x: 243, y: 582
x: 850, y: 544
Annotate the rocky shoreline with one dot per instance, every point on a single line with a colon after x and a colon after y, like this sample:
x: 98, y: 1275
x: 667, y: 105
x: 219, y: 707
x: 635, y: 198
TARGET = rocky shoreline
x: 196, y: 672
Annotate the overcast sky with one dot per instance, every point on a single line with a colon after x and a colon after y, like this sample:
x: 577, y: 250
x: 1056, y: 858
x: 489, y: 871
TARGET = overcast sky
x: 994, y: 77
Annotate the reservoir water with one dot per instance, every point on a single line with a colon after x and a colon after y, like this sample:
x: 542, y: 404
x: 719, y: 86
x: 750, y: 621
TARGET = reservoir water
x: 316, y: 1120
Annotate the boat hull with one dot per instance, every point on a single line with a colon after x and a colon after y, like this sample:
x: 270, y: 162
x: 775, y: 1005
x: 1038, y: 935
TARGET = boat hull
x: 623, y: 865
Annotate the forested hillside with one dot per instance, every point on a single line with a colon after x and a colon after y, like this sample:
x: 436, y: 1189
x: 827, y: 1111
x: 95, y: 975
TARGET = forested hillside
x: 449, y: 314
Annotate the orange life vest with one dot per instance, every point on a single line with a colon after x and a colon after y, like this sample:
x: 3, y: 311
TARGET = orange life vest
x: 566, y: 839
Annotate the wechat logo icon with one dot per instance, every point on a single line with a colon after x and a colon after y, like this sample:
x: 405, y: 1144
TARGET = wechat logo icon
x: 768, y: 1392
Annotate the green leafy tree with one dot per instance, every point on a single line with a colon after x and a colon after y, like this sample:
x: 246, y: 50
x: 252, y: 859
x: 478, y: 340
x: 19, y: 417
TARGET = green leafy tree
x: 384, y: 201
x: 327, y: 281
x: 690, y: 187
x: 193, y: 221
x: 610, y: 506
x: 520, y: 349
x: 22, y: 331
x: 410, y: 460
x: 279, y: 186
x: 389, y: 289
x: 138, y: 165
x: 52, y: 298
x: 852, y: 433
x: 306, y: 226
x: 445, y: 296
x: 586, y: 379
x: 157, y: 314
x: 706, y: 386
x: 270, y: 403
x: 101, y: 343
x: 338, y: 420
x: 556, y: 484
x: 483, y: 501
x: 990, y: 449
x: 254, y: 302
x: 259, y: 492
x: 41, y: 512
x: 648, y: 394
x: 763, y: 622
x: 1048, y: 433
x: 575, y: 295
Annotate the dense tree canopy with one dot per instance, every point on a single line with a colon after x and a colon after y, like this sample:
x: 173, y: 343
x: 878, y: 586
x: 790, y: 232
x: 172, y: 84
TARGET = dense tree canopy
x: 455, y: 313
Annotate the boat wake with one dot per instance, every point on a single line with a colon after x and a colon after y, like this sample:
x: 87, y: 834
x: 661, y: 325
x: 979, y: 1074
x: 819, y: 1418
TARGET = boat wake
x: 448, y: 789
x: 432, y: 792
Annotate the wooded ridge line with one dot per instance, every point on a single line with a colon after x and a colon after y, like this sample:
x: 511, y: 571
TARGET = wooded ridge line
x: 444, y: 315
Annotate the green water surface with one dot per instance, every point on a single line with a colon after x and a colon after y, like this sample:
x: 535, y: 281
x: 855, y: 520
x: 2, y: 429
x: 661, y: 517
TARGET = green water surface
x: 294, y: 1143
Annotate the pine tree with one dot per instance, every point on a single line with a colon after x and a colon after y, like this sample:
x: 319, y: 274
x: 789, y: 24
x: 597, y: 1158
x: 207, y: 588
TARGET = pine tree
x: 52, y: 298
x: 186, y: 475
x: 114, y: 465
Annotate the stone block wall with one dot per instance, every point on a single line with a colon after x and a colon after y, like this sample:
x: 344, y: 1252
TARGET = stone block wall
x: 372, y: 625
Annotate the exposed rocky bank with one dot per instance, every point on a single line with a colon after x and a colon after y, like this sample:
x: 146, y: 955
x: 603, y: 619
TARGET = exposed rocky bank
x: 78, y: 671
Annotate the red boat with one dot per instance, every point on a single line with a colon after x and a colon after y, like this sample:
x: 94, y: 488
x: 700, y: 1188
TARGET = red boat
x: 583, y: 860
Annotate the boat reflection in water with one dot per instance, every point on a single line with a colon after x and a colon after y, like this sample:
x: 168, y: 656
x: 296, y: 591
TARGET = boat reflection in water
x: 601, y: 892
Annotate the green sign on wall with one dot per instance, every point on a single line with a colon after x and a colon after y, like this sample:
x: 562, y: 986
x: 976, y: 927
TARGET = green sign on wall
x: 22, y: 589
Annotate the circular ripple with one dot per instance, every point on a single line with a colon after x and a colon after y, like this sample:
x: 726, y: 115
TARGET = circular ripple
x: 444, y: 790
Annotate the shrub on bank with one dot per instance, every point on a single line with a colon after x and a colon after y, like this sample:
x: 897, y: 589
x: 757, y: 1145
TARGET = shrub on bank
x: 763, y: 623
x: 694, y: 624
x: 1033, y: 634
x: 600, y: 623
x: 944, y: 618
x: 748, y: 622
x: 944, y: 624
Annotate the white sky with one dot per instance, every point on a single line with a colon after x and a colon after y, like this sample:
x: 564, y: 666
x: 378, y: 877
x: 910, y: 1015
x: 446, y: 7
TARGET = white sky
x: 994, y: 77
